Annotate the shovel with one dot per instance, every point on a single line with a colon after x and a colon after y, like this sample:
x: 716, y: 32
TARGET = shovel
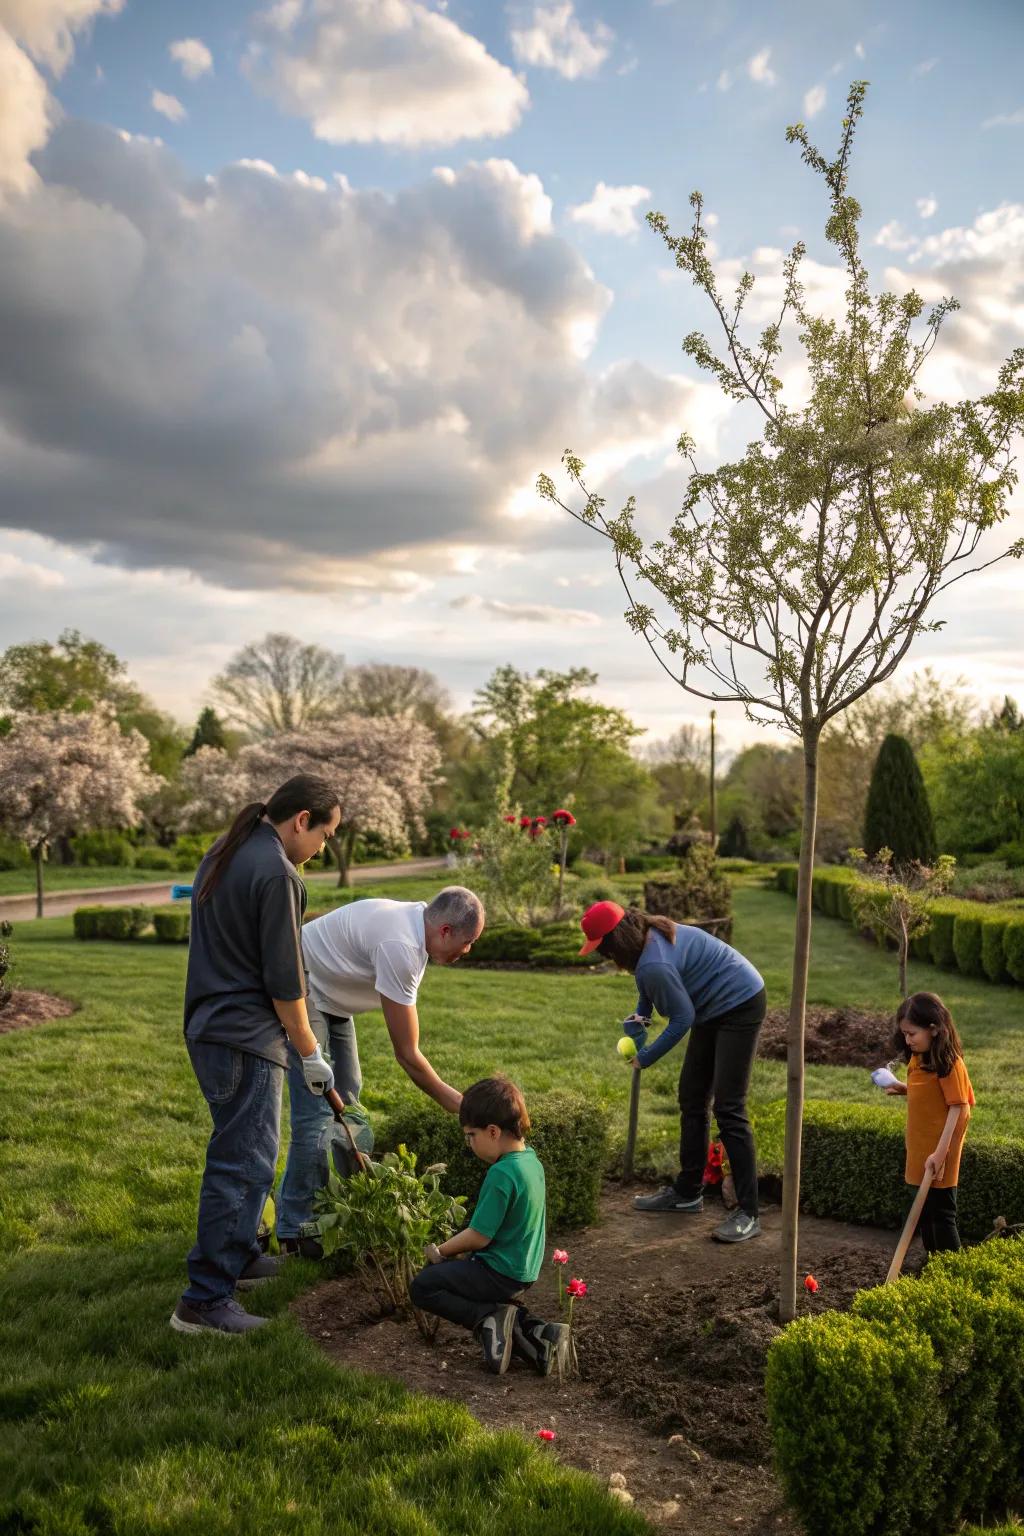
x: 346, y: 1141
x: 910, y: 1226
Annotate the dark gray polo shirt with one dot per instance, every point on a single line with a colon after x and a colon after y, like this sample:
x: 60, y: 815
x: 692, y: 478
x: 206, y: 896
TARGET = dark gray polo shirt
x: 245, y: 949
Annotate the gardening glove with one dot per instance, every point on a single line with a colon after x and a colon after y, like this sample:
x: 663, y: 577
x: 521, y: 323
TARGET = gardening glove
x: 318, y: 1075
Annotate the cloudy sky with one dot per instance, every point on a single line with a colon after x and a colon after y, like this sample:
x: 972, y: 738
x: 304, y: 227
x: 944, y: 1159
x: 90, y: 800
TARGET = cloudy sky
x: 296, y: 301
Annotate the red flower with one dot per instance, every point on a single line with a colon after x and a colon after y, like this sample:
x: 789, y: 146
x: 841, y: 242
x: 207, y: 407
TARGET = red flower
x: 524, y: 821
x: 559, y: 1256
x: 545, y: 1434
x: 576, y: 1288
x: 563, y: 818
x: 454, y: 834
x: 540, y: 821
x: 810, y: 1284
x: 508, y: 818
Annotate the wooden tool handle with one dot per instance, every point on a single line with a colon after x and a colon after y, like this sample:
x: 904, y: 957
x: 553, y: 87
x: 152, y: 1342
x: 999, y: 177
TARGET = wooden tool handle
x: 634, y: 1111
x: 910, y: 1226
x: 337, y: 1103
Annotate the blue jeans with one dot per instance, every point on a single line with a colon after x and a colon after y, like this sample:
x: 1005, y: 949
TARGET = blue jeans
x: 244, y: 1095
x: 310, y: 1113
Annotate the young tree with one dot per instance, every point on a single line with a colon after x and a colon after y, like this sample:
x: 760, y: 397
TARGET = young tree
x: 897, y: 815
x: 209, y: 732
x: 800, y: 574
x: 280, y: 684
x: 63, y: 772
x: 679, y: 766
x: 893, y: 899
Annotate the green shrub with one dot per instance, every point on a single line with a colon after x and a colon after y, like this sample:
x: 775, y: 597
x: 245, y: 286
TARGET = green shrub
x: 640, y: 863
x: 967, y: 944
x: 569, y: 1135
x: 1013, y: 948
x: 736, y: 866
x: 108, y: 850
x: 190, y: 848
x: 1012, y: 854
x: 556, y: 944
x: 848, y: 1405
x: 172, y: 925
x: 698, y: 889
x: 14, y: 855
x: 586, y: 869
x: 111, y: 923
x: 598, y: 889
x: 940, y: 934
x: 155, y: 858
x: 993, y: 953
x: 897, y: 814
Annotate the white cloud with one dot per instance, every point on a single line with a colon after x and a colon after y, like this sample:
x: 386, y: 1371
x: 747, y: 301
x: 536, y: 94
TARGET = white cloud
x: 46, y: 28
x: 527, y: 613
x: 1006, y: 120
x: 612, y: 210
x: 894, y: 237
x: 193, y: 56
x: 383, y: 71
x: 927, y: 207
x: 924, y: 68
x: 549, y: 36
x: 759, y: 69
x: 168, y: 106
x: 724, y: 80
x: 858, y: 49
x: 814, y: 100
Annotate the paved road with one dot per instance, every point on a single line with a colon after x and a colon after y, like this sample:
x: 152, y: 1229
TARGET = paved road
x: 17, y: 909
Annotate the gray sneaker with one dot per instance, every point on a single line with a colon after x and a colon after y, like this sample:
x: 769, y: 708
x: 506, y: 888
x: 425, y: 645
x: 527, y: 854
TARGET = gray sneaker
x: 737, y: 1228
x: 258, y: 1272
x: 495, y: 1334
x: 542, y: 1345
x: 223, y: 1317
x: 668, y: 1199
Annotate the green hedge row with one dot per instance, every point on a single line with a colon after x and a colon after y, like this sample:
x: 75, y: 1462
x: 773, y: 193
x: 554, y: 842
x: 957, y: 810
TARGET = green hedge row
x: 556, y: 944
x: 569, y: 1134
x: 852, y: 1161
x: 123, y: 924
x: 977, y: 940
x: 907, y: 1413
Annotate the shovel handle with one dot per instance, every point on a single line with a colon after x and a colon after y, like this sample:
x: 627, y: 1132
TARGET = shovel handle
x: 910, y: 1226
x: 337, y: 1104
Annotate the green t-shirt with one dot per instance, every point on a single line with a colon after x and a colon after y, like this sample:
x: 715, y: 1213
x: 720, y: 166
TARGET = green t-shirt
x: 510, y: 1211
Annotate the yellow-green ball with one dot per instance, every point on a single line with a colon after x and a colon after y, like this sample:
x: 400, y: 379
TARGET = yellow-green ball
x: 626, y: 1048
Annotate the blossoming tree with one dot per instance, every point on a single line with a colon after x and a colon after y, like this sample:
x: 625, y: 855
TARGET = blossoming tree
x: 63, y: 772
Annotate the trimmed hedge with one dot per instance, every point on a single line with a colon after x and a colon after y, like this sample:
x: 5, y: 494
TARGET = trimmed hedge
x: 111, y: 923
x: 556, y: 944
x: 852, y: 1162
x: 569, y: 1134
x: 907, y: 1413
x: 156, y: 858
x: 980, y: 940
x: 109, y: 850
x: 172, y: 925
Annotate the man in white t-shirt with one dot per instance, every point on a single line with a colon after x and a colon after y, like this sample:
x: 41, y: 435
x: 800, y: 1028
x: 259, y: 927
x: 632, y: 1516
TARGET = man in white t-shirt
x: 360, y: 957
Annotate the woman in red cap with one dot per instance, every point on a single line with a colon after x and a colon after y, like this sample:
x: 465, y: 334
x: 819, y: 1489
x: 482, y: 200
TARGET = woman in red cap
x: 708, y: 989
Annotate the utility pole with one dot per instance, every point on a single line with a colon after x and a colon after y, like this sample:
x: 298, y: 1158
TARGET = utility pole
x: 714, y: 808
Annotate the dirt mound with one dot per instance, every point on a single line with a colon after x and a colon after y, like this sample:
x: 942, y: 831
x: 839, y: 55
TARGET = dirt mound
x: 28, y: 1008
x: 835, y: 1037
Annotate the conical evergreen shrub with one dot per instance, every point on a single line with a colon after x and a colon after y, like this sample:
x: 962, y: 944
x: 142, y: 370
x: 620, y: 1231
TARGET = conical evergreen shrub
x: 897, y: 814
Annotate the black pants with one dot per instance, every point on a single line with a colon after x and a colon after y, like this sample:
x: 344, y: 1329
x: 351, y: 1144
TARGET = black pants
x: 937, y: 1224
x: 716, y: 1070
x: 465, y: 1291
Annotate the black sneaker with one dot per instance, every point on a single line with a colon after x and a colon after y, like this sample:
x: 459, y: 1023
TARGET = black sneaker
x: 300, y: 1247
x: 258, y: 1272
x: 223, y: 1317
x: 495, y: 1334
x: 668, y: 1199
x: 542, y: 1345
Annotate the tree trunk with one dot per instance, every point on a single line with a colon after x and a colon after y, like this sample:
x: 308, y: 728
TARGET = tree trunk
x: 795, y: 1039
x: 564, y: 831
x: 37, y: 854
x: 342, y: 851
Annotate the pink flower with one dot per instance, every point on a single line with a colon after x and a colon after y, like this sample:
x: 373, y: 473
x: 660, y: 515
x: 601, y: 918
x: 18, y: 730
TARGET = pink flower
x: 545, y: 1434
x: 559, y: 1256
x: 810, y: 1284
x: 576, y: 1288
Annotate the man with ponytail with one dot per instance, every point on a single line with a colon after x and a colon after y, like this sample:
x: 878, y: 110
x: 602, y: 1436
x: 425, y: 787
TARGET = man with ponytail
x: 245, y: 1002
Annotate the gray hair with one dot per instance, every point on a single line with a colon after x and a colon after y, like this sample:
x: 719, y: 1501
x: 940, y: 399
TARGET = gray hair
x: 461, y: 909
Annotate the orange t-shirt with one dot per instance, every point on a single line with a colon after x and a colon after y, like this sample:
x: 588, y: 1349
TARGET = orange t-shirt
x: 928, y: 1100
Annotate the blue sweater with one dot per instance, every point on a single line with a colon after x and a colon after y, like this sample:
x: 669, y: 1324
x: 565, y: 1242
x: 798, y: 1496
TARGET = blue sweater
x: 689, y: 982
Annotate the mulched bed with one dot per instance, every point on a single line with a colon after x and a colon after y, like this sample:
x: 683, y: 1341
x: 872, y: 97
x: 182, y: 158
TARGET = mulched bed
x: 26, y: 1009
x: 672, y: 1338
x: 835, y: 1037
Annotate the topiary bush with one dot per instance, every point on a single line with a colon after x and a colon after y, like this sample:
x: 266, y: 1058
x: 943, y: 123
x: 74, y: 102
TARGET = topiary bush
x: 897, y: 814
x: 993, y: 954
x: 1013, y: 949
x: 569, y: 1135
x: 172, y: 925
x: 967, y: 944
x: 699, y: 889
x: 112, y: 923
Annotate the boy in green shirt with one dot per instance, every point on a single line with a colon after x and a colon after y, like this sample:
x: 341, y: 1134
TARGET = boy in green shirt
x: 475, y: 1276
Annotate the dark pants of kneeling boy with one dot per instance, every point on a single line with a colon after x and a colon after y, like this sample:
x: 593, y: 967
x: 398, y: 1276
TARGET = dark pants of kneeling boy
x: 465, y: 1291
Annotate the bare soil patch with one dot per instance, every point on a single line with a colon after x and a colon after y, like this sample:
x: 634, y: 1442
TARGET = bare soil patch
x: 835, y: 1037
x: 28, y: 1008
x: 672, y: 1338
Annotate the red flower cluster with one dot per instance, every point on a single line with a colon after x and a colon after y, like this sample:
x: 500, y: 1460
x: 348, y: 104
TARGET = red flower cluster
x: 713, y: 1166
x: 810, y: 1284
x: 576, y: 1288
x: 563, y: 818
x: 508, y: 818
x: 456, y: 835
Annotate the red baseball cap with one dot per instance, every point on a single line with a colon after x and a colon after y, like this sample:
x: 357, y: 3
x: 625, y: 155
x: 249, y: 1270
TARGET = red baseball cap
x: 598, y: 921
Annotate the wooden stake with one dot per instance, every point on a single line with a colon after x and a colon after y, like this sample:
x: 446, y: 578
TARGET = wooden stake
x: 634, y: 1111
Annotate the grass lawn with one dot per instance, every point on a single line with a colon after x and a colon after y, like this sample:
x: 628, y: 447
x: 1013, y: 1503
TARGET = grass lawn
x: 79, y: 877
x: 114, y: 1424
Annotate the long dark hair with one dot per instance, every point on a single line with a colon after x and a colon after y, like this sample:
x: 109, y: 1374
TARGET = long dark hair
x: 303, y: 793
x: 927, y: 1011
x: 625, y: 944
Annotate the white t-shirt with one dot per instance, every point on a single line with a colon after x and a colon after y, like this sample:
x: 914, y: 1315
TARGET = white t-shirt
x: 368, y: 947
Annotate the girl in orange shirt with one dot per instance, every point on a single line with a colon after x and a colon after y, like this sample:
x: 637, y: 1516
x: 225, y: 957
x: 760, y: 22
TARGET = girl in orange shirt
x: 939, y: 1098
